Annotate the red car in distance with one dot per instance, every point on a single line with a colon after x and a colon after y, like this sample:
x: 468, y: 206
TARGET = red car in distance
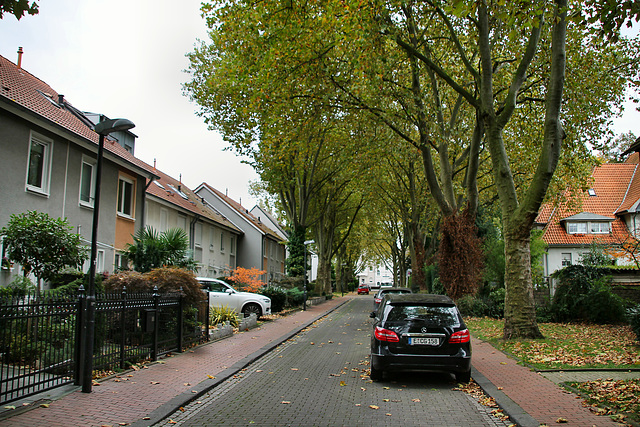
x: 363, y: 289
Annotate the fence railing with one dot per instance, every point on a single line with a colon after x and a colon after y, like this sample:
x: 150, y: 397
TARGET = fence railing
x: 40, y: 344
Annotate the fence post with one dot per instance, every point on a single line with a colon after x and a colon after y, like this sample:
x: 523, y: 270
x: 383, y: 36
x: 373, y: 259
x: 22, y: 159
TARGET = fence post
x: 123, y: 324
x: 79, y: 344
x: 180, y: 320
x: 156, y: 324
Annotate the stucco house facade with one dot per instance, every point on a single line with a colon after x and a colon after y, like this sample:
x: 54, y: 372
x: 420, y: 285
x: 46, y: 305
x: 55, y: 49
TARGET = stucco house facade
x: 212, y: 237
x: 48, y: 155
x: 258, y: 246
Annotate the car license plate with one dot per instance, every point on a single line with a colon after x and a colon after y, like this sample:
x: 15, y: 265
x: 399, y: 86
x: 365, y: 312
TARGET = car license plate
x: 424, y: 341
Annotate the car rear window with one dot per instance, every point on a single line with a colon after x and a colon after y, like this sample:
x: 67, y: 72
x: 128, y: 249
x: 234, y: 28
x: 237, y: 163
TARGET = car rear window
x: 435, y: 315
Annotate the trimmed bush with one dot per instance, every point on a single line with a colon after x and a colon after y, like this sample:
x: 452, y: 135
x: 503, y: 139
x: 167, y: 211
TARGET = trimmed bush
x: 295, y: 297
x: 223, y: 314
x: 278, y: 297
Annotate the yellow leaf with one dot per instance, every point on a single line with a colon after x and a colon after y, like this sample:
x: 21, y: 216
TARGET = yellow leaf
x: 342, y: 383
x: 374, y: 407
x: 385, y: 400
x: 211, y: 377
x: 388, y: 414
x: 44, y: 405
x: 10, y: 407
x: 285, y: 402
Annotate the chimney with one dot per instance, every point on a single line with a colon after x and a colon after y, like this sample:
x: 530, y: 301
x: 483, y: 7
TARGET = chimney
x: 20, y: 52
x: 61, y: 100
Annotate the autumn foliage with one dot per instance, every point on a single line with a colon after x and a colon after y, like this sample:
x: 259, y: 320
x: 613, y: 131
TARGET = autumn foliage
x: 247, y: 279
x: 460, y: 255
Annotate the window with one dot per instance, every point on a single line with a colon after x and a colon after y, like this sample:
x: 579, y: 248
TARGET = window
x: 232, y: 245
x: 577, y: 227
x: 600, y: 227
x: 120, y: 262
x: 39, y: 166
x: 87, y: 183
x: 212, y: 232
x: 125, y: 197
x: 221, y: 242
x: 197, y: 238
x: 566, y: 259
x: 100, y: 261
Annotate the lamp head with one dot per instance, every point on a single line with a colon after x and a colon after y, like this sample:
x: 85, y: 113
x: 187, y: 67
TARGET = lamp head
x: 113, y: 125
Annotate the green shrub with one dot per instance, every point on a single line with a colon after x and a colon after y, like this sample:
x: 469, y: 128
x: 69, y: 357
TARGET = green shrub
x: 278, y: 297
x: 223, y: 314
x: 295, y: 297
x: 491, y: 305
x: 633, y: 316
x: 584, y: 294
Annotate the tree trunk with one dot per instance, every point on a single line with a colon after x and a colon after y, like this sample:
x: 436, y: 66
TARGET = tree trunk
x: 418, y: 259
x: 520, y: 310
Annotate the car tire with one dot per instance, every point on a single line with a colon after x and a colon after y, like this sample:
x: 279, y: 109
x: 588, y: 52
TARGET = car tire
x: 463, y: 377
x: 251, y: 308
x: 376, y: 374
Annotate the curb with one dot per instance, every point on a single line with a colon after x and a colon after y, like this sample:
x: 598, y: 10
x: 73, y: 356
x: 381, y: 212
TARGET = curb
x: 168, y: 408
x: 511, y: 408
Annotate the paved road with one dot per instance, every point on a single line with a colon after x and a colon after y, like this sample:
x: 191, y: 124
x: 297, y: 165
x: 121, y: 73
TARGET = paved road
x: 318, y: 378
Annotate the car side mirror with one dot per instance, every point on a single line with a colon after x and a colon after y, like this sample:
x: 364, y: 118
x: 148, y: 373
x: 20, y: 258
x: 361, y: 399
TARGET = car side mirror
x: 229, y: 291
x: 372, y: 315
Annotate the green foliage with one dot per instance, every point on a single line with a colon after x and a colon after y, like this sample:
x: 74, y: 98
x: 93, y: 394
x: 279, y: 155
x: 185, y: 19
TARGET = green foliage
x: 18, y: 8
x: 490, y: 305
x: 41, y: 244
x: 295, y: 297
x: 595, y: 257
x: 584, y: 294
x: 151, y: 249
x: 295, y: 261
x: 633, y: 317
x: 278, y: 297
x: 223, y: 314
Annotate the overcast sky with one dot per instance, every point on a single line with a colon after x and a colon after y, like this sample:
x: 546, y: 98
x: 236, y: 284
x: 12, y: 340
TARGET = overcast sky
x: 125, y: 58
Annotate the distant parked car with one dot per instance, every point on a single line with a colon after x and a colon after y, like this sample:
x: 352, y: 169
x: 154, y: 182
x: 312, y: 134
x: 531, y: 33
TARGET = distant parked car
x: 363, y: 289
x: 222, y: 294
x: 384, y: 291
x: 420, y: 332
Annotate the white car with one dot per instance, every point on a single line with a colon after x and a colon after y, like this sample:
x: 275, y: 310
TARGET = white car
x: 222, y: 294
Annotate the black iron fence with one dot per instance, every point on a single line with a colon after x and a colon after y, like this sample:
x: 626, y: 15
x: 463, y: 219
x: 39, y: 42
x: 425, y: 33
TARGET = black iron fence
x: 40, y: 344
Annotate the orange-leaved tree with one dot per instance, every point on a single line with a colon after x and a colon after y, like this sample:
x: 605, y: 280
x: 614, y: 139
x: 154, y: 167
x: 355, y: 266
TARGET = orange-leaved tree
x: 247, y: 279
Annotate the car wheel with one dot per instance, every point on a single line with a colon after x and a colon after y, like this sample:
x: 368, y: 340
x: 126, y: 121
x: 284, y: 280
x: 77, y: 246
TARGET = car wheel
x: 463, y: 377
x: 251, y: 308
x: 376, y: 374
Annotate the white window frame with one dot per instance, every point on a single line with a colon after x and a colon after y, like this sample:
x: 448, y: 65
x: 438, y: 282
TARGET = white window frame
x: 122, y: 181
x: 182, y: 223
x: 566, y: 260
x: 45, y: 181
x: 100, y: 261
x: 88, y: 162
x: 164, y: 219
x: 232, y: 245
x: 576, y: 227
x: 600, y: 228
x: 222, y: 242
x: 212, y: 236
x: 197, y: 235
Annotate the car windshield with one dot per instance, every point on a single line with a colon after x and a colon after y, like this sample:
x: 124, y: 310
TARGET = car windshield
x: 434, y: 315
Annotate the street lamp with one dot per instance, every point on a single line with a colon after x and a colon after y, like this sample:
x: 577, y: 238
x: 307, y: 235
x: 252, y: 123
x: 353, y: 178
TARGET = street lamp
x: 103, y: 128
x: 304, y: 293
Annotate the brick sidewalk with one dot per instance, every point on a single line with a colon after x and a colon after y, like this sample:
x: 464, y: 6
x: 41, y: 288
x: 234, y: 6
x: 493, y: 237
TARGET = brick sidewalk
x: 131, y: 396
x: 539, y: 397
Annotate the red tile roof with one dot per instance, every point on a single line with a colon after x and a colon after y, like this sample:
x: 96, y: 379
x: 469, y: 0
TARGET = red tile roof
x: 193, y: 203
x: 616, y: 187
x: 25, y: 90
x: 249, y: 217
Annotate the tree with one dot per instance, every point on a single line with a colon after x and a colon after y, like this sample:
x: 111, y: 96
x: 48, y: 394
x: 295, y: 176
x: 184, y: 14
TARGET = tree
x: 151, y: 250
x: 42, y: 245
x: 247, y: 279
x: 18, y: 8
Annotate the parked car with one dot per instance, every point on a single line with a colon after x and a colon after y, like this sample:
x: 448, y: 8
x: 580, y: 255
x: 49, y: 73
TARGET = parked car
x: 384, y: 291
x: 420, y: 332
x: 363, y: 289
x: 223, y: 294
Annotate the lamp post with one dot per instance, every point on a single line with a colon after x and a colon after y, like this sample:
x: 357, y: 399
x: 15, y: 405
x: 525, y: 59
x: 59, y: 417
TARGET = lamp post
x: 103, y: 128
x: 304, y: 292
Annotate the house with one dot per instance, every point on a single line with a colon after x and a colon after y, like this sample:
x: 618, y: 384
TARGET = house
x: 212, y: 237
x: 48, y: 164
x: 607, y: 213
x: 258, y: 246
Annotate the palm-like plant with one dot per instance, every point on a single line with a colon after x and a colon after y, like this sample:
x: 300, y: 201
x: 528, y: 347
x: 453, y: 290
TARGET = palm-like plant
x: 151, y: 249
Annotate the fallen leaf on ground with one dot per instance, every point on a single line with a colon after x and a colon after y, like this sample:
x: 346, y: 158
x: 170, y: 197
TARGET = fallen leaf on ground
x: 562, y: 420
x: 285, y: 402
x: 374, y: 407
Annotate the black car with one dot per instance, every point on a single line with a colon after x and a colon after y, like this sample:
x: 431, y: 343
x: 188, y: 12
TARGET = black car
x: 384, y: 291
x: 419, y: 332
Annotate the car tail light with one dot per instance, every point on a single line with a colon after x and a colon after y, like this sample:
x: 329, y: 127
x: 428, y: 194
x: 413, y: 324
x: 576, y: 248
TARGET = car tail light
x: 460, y: 337
x: 383, y: 334
x: 377, y: 300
